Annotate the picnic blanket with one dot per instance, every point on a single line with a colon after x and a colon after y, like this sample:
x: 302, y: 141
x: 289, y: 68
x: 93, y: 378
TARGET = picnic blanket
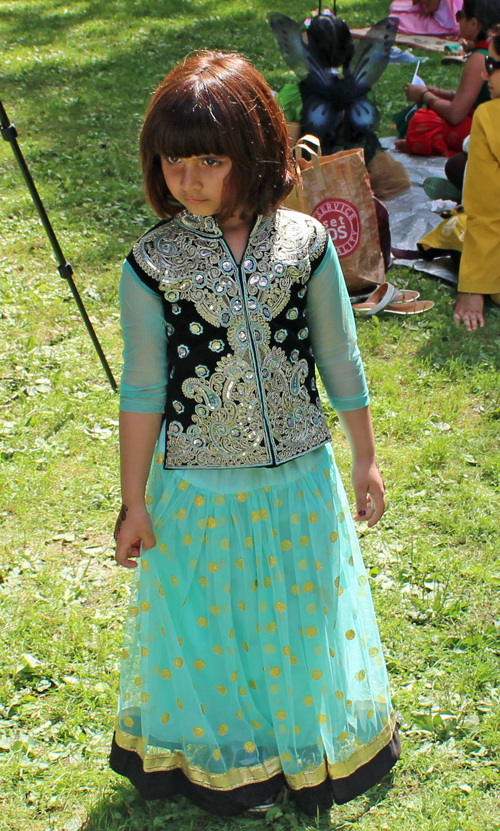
x: 430, y: 42
x: 410, y: 214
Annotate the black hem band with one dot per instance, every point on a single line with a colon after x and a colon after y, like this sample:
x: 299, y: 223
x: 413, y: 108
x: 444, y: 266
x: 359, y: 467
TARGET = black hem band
x: 165, y: 784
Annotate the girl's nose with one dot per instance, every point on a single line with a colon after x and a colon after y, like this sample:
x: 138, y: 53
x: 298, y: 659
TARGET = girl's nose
x: 190, y: 178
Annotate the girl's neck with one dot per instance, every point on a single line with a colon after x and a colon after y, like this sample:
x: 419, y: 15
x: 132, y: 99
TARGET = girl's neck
x: 237, y: 223
x: 236, y: 231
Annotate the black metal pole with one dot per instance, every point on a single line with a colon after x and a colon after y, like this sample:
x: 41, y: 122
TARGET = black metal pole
x: 9, y: 133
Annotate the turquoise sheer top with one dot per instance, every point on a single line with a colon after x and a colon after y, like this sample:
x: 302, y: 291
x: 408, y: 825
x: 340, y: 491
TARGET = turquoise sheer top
x: 333, y: 337
x: 331, y: 328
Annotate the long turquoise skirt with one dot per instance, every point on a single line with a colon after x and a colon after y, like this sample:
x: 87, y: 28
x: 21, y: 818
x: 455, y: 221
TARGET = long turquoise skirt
x: 251, y: 646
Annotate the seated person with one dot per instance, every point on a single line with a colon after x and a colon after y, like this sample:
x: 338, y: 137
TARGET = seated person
x: 480, y: 262
x: 450, y: 188
x: 426, y: 17
x: 440, y: 129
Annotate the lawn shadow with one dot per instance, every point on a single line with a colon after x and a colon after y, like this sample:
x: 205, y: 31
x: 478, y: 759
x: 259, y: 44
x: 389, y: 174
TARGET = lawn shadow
x: 369, y: 801
x: 452, y: 348
x: 446, y: 347
x: 122, y: 809
x: 79, y: 101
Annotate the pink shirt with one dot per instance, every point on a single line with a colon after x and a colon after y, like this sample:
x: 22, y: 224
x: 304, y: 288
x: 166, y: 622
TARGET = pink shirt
x: 414, y: 20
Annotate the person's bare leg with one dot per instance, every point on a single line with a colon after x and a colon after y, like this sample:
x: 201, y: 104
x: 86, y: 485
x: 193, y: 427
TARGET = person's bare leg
x: 469, y: 310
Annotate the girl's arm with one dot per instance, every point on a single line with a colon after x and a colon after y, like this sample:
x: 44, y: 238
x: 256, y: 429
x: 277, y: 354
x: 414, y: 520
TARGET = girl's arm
x: 456, y: 109
x: 138, y: 437
x: 143, y: 393
x: 367, y: 481
x: 333, y: 337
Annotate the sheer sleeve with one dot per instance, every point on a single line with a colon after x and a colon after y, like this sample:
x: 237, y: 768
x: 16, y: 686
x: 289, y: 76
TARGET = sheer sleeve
x: 144, y: 378
x: 333, y: 335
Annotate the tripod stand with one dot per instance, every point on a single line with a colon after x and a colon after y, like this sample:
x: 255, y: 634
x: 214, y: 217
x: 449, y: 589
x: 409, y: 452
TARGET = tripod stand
x: 9, y: 133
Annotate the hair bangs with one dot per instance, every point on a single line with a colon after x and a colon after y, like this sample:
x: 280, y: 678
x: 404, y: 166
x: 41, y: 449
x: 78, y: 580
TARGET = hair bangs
x: 217, y: 104
x: 191, y: 129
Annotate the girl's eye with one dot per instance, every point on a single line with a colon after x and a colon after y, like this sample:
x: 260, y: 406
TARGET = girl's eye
x: 211, y: 162
x: 173, y: 159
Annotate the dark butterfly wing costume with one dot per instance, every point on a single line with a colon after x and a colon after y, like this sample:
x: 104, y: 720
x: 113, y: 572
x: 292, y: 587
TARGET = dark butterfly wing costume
x: 335, y: 106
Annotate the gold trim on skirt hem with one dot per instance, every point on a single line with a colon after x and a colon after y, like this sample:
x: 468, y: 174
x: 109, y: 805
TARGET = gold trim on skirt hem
x: 163, y: 760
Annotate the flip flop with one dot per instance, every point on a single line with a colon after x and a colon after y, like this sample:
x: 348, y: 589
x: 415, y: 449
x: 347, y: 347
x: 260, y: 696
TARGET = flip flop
x: 384, y: 295
x: 405, y: 296
x: 415, y: 307
x: 448, y: 60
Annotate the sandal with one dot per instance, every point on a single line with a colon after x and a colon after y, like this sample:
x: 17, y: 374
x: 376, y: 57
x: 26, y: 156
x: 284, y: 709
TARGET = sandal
x: 415, y: 307
x: 383, y: 296
x: 261, y: 810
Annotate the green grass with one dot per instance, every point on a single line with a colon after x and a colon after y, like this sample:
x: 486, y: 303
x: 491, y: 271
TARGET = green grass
x: 76, y: 78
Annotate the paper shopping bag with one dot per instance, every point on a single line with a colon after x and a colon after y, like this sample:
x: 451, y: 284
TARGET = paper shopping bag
x: 336, y: 190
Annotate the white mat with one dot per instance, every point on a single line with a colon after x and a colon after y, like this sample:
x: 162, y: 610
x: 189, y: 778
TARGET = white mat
x: 410, y: 215
x: 434, y: 43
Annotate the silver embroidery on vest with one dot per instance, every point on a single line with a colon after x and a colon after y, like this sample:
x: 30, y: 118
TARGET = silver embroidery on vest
x: 252, y: 404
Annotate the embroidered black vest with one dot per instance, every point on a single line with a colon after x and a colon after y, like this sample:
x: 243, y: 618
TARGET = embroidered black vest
x: 241, y: 386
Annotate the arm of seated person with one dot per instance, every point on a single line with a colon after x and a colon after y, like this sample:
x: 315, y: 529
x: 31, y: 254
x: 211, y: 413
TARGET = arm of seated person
x: 445, y: 94
x: 456, y: 110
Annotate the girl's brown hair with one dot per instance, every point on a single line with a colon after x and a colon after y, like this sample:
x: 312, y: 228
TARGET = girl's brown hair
x: 218, y: 104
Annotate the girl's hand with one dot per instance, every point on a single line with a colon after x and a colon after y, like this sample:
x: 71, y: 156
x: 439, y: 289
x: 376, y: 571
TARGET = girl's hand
x: 414, y: 92
x: 369, y: 492
x: 133, y: 526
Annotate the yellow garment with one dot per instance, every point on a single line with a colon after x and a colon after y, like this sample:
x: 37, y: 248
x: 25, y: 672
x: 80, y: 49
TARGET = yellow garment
x: 449, y: 235
x: 480, y: 263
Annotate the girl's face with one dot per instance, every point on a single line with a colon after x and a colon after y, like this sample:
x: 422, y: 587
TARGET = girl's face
x: 469, y: 27
x: 494, y: 78
x: 197, y: 182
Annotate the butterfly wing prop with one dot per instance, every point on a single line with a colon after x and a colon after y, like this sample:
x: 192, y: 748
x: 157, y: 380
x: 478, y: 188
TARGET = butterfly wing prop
x: 319, y: 118
x: 363, y: 115
x: 288, y: 34
x: 372, y: 52
x: 297, y: 55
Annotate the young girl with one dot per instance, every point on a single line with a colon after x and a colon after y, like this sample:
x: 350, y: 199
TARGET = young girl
x: 480, y: 262
x: 426, y: 17
x: 440, y: 126
x: 251, y: 657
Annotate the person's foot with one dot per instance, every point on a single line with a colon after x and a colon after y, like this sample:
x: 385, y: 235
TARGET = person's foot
x: 469, y: 310
x: 400, y: 145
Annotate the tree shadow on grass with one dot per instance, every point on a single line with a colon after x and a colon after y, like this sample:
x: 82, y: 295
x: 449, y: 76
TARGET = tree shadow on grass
x: 123, y: 809
x: 79, y: 101
x: 453, y: 349
x: 446, y: 347
x: 40, y: 24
